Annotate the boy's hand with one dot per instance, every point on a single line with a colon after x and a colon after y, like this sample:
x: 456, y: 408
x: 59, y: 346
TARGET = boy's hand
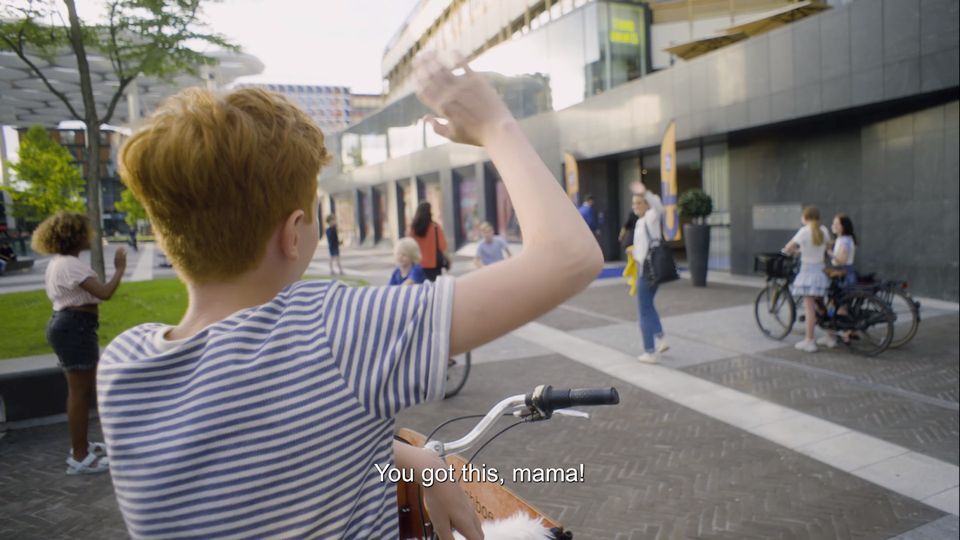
x: 120, y: 260
x: 449, y: 509
x: 472, y: 108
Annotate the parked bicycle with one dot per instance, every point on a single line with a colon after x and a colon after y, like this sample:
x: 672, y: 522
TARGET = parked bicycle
x: 458, y: 369
x: 905, y: 307
x: 491, y: 500
x: 857, y: 312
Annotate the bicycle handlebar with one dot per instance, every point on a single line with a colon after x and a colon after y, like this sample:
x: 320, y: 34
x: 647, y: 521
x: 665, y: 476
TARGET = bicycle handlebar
x: 546, y: 399
x: 535, y: 406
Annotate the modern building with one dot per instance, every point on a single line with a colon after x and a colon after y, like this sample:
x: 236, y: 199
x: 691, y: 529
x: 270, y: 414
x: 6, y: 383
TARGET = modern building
x: 849, y: 106
x: 25, y: 100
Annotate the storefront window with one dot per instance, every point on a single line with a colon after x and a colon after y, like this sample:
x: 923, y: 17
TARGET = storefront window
x: 467, y: 187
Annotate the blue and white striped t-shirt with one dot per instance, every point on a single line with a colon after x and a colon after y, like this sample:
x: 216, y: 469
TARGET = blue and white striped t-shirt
x: 269, y: 422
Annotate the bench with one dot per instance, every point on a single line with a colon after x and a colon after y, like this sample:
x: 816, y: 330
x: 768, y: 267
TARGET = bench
x: 19, y: 264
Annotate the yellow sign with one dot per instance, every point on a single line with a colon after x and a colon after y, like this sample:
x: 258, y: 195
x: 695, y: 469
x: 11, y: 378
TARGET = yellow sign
x: 624, y: 31
x: 571, y: 176
x: 668, y: 183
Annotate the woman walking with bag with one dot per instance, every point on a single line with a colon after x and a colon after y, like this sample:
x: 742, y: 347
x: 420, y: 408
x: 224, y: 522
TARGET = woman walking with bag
x: 646, y: 236
x: 433, y: 244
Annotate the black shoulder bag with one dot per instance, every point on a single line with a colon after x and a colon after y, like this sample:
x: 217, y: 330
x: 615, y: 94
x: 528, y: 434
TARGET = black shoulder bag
x: 658, y: 266
x: 442, y: 261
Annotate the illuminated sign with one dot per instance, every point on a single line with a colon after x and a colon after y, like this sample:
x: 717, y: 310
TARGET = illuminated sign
x: 624, y: 31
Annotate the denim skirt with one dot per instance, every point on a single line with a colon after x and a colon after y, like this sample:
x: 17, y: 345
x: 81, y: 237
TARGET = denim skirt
x: 73, y: 336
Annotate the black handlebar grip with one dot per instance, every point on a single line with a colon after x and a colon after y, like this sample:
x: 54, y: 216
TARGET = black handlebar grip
x: 549, y: 399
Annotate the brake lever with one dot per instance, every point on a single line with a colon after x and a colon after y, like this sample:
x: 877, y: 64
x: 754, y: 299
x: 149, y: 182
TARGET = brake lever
x: 572, y: 413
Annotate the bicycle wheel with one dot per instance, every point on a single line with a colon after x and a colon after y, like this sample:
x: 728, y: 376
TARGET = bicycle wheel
x: 871, y: 320
x: 907, y: 315
x: 458, y: 369
x: 775, y: 311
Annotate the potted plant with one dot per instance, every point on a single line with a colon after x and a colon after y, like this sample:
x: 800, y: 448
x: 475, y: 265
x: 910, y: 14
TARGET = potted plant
x: 696, y: 205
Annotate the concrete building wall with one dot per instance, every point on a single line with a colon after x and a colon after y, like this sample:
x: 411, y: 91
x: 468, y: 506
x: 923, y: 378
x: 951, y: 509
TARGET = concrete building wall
x: 896, y: 175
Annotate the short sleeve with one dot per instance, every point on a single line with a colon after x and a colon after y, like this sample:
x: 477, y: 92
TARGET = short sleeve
x: 74, y: 272
x: 417, y: 275
x: 801, y: 236
x: 391, y: 344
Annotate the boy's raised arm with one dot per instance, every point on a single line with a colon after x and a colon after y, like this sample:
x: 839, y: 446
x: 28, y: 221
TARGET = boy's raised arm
x: 560, y: 255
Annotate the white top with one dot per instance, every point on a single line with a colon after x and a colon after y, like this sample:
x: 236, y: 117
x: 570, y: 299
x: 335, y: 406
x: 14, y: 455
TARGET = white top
x: 809, y: 253
x: 272, y: 422
x: 845, y: 243
x: 647, y: 228
x: 64, y: 275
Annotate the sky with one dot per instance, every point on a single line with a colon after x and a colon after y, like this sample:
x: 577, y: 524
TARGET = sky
x: 325, y: 42
x: 335, y: 42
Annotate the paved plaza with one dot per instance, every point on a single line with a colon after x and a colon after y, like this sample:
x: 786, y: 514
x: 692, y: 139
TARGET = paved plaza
x: 731, y: 436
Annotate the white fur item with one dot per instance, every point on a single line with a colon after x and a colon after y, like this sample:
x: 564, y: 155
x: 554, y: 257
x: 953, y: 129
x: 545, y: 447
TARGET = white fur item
x: 518, y: 527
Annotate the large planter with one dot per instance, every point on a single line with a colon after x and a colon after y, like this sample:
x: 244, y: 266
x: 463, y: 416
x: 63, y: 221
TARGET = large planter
x: 697, y: 240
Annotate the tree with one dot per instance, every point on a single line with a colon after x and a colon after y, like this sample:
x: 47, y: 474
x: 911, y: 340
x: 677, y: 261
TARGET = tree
x: 140, y: 37
x: 129, y: 204
x: 46, y: 181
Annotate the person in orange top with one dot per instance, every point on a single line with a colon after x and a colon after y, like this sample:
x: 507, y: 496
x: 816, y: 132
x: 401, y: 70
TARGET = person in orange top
x: 433, y: 244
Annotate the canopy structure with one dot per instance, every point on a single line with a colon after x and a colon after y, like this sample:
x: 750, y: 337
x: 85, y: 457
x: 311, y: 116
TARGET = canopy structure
x: 25, y: 99
x: 768, y: 22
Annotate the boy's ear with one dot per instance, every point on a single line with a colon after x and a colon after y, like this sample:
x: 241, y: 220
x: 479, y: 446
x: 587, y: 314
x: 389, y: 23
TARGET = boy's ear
x: 290, y: 235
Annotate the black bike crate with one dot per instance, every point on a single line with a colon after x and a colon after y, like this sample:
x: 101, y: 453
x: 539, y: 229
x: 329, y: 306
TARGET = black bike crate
x: 774, y: 265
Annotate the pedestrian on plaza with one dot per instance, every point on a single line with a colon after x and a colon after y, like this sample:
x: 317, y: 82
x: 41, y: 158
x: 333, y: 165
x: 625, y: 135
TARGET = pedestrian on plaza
x: 841, y: 253
x: 7, y: 255
x: 132, y: 232
x: 75, y: 291
x: 408, y: 270
x: 843, y: 249
x: 649, y: 212
x: 811, y: 282
x: 433, y: 243
x: 589, y: 214
x: 626, y: 232
x: 491, y: 248
x: 333, y: 243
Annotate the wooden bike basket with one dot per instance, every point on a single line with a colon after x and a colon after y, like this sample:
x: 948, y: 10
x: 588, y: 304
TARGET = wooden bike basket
x: 490, y: 499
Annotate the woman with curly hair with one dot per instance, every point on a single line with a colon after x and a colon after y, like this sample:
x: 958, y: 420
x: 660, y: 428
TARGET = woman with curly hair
x: 75, y: 291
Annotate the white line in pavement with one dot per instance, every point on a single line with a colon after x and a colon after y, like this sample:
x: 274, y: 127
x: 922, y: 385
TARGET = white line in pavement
x: 891, y: 466
x: 144, y: 269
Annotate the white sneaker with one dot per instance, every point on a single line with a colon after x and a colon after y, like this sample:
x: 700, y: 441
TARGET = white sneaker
x: 662, y: 345
x: 648, y: 358
x: 90, y: 465
x: 827, y: 341
x: 806, y: 345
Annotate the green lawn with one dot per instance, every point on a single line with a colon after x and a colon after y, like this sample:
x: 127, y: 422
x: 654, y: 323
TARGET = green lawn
x: 23, y: 315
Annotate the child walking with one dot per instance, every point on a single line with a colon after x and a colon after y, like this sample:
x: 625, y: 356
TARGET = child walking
x: 811, y: 282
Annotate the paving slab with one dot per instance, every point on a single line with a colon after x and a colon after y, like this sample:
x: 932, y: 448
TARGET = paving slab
x: 665, y: 471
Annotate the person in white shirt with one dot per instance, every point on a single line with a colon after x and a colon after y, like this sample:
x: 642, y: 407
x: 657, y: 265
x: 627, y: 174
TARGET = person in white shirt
x: 646, y: 233
x: 841, y: 253
x: 811, y: 282
x: 75, y: 291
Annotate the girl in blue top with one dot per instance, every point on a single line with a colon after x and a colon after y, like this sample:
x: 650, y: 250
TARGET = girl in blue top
x: 408, y: 271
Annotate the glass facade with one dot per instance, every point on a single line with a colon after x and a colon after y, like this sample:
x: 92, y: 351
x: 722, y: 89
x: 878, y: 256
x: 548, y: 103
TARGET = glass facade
x: 582, y: 53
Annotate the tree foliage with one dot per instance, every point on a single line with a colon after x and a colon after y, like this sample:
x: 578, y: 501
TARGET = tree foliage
x: 47, y: 180
x: 129, y: 204
x: 156, y: 38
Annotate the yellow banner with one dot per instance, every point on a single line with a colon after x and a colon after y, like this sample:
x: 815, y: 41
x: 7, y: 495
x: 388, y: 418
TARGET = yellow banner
x: 668, y: 183
x: 571, y: 177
